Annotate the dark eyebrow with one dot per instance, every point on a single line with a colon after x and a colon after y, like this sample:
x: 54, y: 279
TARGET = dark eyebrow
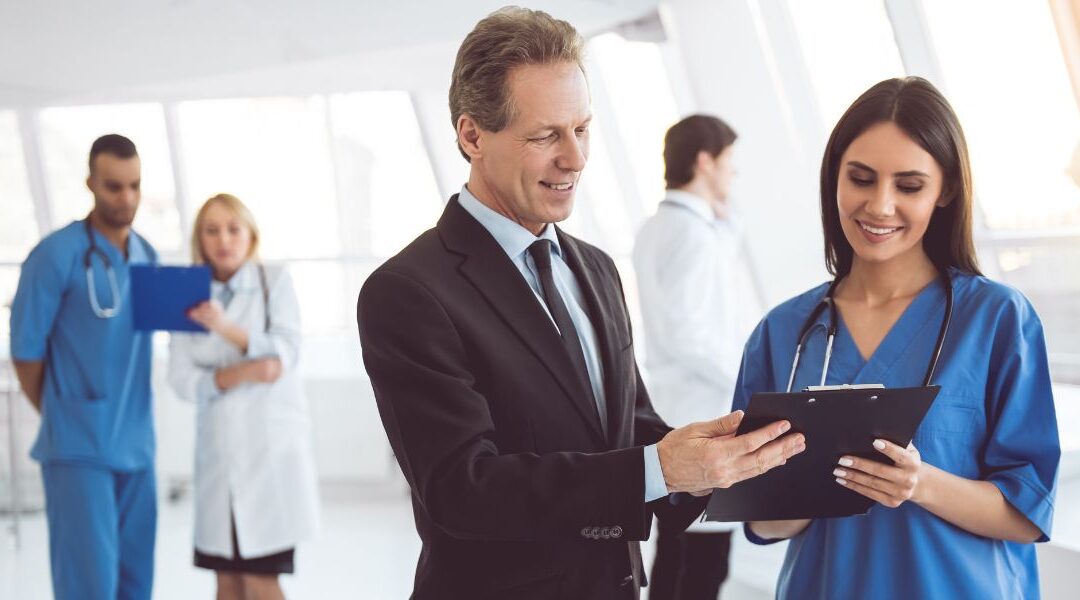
x: 910, y: 174
x: 857, y: 164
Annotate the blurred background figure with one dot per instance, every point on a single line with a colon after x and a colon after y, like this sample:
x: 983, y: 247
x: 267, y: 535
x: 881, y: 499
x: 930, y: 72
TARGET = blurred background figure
x: 697, y: 312
x: 255, y: 482
x: 87, y: 371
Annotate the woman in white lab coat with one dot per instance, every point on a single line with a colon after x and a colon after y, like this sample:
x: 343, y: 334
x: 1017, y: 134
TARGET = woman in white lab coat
x: 255, y: 483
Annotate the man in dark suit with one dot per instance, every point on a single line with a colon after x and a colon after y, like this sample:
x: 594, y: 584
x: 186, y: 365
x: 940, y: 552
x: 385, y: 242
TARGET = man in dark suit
x: 501, y: 357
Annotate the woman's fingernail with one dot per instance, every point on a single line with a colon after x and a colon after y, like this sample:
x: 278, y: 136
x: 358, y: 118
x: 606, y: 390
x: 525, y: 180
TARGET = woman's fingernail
x: 880, y: 445
x: 839, y: 472
x: 841, y: 481
x: 846, y: 462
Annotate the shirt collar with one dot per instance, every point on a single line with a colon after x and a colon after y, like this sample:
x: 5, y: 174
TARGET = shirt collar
x: 697, y: 204
x: 513, y: 238
x: 243, y: 278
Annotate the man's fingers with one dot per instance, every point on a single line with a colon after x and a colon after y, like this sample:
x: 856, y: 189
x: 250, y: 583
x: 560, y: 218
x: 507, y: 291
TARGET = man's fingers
x: 725, y: 425
x: 750, y: 442
x: 763, y: 465
x: 769, y: 456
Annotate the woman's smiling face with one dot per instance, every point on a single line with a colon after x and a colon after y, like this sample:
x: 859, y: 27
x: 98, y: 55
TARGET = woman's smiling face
x: 886, y: 192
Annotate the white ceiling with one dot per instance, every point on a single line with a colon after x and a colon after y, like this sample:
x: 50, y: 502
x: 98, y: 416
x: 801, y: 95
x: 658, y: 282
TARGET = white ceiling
x: 77, y: 51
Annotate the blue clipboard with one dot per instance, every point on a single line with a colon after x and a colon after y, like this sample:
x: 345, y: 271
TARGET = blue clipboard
x: 161, y: 296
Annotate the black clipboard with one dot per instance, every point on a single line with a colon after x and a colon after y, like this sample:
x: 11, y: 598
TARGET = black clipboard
x: 835, y: 423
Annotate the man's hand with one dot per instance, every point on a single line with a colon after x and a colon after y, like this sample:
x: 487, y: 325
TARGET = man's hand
x: 31, y: 376
x: 702, y: 456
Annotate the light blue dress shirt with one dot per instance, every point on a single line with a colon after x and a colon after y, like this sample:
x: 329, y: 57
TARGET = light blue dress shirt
x: 515, y: 241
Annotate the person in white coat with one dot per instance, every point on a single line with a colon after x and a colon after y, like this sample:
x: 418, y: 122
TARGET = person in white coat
x: 697, y: 310
x: 255, y: 482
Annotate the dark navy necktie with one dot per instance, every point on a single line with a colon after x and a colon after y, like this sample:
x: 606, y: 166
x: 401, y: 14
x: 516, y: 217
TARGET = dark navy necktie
x: 540, y: 251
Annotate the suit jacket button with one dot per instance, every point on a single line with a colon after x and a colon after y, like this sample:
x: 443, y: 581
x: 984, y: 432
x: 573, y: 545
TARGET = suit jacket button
x: 605, y: 533
x: 616, y: 532
x: 585, y: 532
x: 595, y: 533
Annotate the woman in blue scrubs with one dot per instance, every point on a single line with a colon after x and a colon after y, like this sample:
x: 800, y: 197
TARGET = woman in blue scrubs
x: 957, y: 514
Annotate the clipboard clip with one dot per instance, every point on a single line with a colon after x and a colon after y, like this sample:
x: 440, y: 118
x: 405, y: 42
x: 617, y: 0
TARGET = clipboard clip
x: 845, y: 386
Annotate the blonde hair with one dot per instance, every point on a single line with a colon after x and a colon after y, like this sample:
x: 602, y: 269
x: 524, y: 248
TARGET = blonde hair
x: 240, y: 210
x: 508, y: 38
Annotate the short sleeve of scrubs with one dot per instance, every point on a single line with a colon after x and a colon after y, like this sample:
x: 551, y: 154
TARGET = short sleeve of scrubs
x: 37, y: 300
x: 1017, y: 458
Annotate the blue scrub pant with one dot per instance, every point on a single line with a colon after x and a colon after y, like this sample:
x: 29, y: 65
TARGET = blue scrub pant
x: 102, y: 526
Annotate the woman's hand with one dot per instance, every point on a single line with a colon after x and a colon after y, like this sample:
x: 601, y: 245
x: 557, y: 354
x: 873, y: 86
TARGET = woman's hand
x: 888, y: 485
x: 260, y: 370
x: 264, y: 370
x: 210, y: 314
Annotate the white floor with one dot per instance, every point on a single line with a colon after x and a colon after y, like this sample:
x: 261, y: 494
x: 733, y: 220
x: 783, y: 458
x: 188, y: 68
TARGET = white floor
x: 368, y: 549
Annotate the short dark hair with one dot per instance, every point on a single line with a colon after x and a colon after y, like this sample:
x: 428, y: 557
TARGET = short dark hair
x: 686, y: 139
x: 921, y: 112
x: 114, y: 144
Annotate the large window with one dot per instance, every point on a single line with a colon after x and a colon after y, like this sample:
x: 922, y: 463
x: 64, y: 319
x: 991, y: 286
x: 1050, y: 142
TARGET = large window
x: 1016, y: 106
x: 66, y: 137
x: 1023, y: 128
x: 272, y: 153
x: 643, y: 106
x: 848, y: 46
x: 386, y: 184
x: 601, y: 199
x: 18, y: 227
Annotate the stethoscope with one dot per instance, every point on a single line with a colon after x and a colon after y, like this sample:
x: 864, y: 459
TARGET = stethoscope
x: 830, y: 330
x: 110, y: 311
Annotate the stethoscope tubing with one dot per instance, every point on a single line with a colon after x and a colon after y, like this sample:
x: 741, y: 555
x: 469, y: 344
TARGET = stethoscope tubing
x: 831, y: 329
x: 110, y: 273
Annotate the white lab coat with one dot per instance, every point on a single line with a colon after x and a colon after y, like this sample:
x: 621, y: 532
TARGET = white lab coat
x: 253, y: 455
x: 698, y: 309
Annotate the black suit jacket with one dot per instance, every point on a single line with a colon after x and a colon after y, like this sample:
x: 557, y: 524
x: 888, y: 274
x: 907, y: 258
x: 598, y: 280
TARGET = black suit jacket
x: 517, y: 492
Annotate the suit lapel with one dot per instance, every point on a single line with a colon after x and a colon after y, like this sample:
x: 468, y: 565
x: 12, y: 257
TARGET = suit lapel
x: 487, y: 267
x: 599, y: 299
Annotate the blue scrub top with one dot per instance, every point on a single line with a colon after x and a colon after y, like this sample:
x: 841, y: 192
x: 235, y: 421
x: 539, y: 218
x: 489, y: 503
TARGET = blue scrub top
x: 993, y: 420
x: 96, y: 400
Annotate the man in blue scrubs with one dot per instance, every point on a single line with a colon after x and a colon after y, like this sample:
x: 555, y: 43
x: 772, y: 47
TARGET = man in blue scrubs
x: 85, y: 368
